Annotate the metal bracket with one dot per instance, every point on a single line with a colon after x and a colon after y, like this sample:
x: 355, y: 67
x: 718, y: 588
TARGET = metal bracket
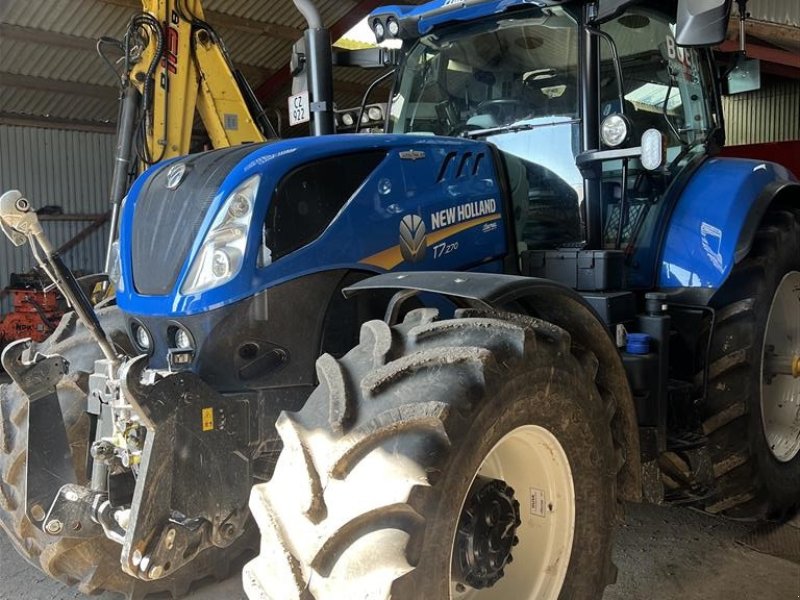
x: 71, y: 515
x: 194, y: 477
x: 392, y: 316
x: 49, y: 464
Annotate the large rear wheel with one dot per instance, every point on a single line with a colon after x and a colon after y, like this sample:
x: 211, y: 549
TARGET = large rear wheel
x: 752, y: 417
x: 463, y: 459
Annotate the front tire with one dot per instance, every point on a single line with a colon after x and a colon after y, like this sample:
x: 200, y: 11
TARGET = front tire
x: 368, y: 495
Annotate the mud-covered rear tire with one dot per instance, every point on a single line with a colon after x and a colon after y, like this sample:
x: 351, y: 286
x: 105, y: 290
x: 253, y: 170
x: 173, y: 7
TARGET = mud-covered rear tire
x: 92, y: 564
x: 750, y: 482
x: 368, y: 491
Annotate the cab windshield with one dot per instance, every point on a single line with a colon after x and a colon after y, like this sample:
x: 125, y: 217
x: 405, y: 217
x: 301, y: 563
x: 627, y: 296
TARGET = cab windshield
x: 516, y: 71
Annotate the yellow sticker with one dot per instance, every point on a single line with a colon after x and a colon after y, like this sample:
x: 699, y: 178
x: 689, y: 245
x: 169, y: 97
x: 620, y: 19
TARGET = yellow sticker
x: 208, y: 419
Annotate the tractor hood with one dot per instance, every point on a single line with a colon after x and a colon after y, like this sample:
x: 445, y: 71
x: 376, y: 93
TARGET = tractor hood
x: 298, y: 207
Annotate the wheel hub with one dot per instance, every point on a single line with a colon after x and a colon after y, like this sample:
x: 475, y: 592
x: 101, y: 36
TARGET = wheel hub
x: 780, y: 371
x: 486, y: 533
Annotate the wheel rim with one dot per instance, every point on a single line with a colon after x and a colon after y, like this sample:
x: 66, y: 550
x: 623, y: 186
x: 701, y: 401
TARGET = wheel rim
x: 780, y: 371
x: 532, y: 461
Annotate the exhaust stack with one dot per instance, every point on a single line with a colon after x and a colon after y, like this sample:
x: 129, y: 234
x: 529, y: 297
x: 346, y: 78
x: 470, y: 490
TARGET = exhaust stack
x: 319, y: 65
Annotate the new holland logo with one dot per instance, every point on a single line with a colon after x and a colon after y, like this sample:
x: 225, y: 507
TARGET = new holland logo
x: 412, y: 155
x: 175, y: 176
x: 413, y: 238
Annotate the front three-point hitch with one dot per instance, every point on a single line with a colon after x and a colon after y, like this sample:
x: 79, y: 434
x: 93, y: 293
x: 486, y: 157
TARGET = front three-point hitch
x: 170, y: 469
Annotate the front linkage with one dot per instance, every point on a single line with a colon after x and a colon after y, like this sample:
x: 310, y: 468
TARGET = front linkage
x: 172, y: 458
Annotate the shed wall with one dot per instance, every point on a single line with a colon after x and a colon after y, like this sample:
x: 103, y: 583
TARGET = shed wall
x: 771, y: 114
x: 71, y: 169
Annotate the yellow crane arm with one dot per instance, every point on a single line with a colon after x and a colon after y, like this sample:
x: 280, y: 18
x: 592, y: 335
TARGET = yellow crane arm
x: 192, y: 74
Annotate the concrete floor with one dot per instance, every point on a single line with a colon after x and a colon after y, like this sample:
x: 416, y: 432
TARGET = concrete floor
x: 662, y: 554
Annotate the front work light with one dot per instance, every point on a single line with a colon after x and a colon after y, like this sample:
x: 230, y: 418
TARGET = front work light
x: 142, y: 338
x: 182, y: 339
x: 380, y: 31
x: 614, y: 131
x: 222, y: 254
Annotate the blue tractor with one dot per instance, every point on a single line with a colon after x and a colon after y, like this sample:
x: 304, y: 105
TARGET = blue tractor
x: 430, y: 362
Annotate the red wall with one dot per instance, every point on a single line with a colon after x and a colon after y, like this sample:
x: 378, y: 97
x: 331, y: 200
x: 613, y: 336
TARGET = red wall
x: 783, y: 153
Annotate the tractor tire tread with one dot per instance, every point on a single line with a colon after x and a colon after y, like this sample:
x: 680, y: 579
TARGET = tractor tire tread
x: 734, y: 369
x: 475, y: 349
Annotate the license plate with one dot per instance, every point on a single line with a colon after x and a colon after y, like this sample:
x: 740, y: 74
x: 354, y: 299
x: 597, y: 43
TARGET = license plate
x: 299, y: 109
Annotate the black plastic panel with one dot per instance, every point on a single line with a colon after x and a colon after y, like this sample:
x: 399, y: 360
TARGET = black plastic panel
x: 311, y: 196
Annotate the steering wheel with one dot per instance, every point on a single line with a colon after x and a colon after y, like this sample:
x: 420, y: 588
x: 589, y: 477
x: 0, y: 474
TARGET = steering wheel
x: 498, y: 103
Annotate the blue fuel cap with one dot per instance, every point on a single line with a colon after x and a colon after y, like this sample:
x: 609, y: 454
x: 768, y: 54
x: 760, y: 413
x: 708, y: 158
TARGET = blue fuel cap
x: 638, y: 343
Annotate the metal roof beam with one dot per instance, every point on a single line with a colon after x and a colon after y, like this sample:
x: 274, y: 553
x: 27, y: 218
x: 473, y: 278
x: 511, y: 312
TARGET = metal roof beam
x: 19, y: 120
x: 770, y: 55
x: 53, y: 86
x: 784, y: 36
x: 31, y: 35
x: 52, y: 39
x: 218, y: 19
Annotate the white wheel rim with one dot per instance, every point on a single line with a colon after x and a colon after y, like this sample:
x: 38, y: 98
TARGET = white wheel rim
x: 532, y: 461
x: 780, y: 371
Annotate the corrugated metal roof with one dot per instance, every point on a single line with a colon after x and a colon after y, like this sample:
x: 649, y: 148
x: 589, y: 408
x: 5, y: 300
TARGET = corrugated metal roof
x: 782, y: 12
x: 53, y: 41
x: 56, y: 106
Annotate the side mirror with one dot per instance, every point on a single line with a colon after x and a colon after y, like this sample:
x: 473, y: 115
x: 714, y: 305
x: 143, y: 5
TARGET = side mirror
x: 702, y: 22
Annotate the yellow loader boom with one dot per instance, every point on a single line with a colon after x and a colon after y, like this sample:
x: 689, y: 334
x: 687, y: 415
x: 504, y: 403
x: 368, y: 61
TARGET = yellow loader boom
x: 192, y: 71
x: 175, y: 67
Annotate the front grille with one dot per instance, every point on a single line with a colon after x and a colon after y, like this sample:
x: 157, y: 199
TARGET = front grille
x: 166, y: 222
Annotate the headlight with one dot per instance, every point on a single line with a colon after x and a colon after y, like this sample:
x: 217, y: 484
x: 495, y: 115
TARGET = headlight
x: 614, y: 131
x: 393, y: 27
x: 222, y: 254
x: 115, y: 272
x: 375, y: 113
x: 141, y: 337
x: 348, y: 120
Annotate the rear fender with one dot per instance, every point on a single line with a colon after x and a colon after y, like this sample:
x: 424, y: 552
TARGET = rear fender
x: 551, y: 302
x: 715, y: 221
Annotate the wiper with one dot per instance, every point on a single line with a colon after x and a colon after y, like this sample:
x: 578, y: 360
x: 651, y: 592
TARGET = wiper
x: 513, y: 128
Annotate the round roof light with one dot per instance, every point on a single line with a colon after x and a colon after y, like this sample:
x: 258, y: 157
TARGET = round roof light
x: 380, y: 31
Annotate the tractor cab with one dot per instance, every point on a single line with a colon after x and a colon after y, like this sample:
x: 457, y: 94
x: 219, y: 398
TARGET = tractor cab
x: 596, y: 122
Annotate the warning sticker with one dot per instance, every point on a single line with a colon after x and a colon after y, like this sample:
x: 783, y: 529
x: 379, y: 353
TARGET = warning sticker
x: 538, y: 503
x: 208, y: 419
